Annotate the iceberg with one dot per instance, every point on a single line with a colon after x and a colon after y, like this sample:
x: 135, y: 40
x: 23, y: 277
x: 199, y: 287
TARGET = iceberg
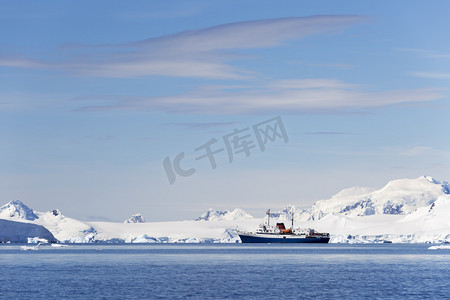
x: 447, y: 247
x: 145, y: 239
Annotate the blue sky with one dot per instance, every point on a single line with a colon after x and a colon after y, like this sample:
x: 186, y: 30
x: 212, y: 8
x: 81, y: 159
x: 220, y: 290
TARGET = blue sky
x: 95, y: 95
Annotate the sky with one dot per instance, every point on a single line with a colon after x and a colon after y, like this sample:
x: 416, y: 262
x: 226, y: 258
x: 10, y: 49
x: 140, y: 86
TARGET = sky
x: 111, y: 108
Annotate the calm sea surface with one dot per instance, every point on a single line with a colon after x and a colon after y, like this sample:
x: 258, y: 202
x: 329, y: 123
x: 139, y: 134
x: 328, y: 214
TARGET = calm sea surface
x: 177, y: 271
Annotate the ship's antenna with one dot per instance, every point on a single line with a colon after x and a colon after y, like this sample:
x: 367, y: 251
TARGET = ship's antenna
x: 292, y: 227
x: 292, y: 216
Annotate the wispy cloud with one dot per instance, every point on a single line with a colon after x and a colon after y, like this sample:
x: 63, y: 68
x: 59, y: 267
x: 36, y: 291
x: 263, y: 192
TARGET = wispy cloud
x: 21, y: 62
x: 426, y: 151
x: 201, y: 126
x: 337, y: 66
x: 327, y: 133
x: 428, y: 53
x: 103, y: 138
x: 431, y: 75
x: 288, y: 96
x: 204, y: 53
x: 442, y: 57
x: 417, y: 150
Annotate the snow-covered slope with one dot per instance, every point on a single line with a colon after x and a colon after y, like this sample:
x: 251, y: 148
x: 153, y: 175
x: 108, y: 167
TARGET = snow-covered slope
x: 398, y: 197
x: 225, y: 215
x: 66, y: 229
x: 427, y: 224
x: 171, y: 232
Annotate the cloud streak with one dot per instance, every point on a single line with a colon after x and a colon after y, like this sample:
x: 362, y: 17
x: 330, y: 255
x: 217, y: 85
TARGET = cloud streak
x: 417, y: 151
x: 283, y: 96
x: 431, y: 75
x: 327, y: 133
x: 427, y: 53
x: 202, y: 53
x: 201, y: 126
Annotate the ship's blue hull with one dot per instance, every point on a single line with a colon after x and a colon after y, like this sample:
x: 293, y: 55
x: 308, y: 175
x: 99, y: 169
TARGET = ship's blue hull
x: 279, y: 239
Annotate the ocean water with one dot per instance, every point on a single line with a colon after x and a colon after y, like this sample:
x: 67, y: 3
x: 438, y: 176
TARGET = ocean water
x: 220, y: 271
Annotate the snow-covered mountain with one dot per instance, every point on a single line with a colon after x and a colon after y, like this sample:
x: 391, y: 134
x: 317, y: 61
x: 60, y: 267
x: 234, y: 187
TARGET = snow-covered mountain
x: 300, y: 214
x: 224, y: 215
x: 398, y: 197
x: 16, y: 210
x: 405, y: 210
x: 427, y: 224
x: 136, y: 218
x: 63, y: 228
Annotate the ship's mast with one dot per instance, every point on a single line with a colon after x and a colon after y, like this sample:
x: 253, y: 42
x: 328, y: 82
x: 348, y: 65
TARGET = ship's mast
x: 292, y: 217
x: 268, y: 217
x: 292, y: 227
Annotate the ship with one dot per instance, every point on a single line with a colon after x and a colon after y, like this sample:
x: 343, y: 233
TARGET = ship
x: 280, y: 234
